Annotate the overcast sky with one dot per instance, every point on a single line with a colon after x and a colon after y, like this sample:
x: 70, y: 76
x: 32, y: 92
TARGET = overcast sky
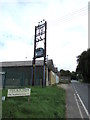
x: 67, y: 29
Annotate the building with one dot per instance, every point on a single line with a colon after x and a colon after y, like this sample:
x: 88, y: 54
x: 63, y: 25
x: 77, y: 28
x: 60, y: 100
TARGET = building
x: 19, y: 73
x: 65, y: 79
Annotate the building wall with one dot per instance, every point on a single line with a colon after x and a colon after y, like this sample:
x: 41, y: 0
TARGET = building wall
x: 57, y: 79
x: 22, y: 76
x: 52, y: 78
x: 65, y: 78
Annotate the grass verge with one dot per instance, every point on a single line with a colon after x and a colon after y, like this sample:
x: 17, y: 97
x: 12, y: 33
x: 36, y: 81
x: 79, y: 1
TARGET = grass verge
x: 46, y: 102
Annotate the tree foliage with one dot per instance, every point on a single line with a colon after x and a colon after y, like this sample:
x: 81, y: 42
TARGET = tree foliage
x: 65, y: 72
x: 73, y: 75
x: 83, y: 67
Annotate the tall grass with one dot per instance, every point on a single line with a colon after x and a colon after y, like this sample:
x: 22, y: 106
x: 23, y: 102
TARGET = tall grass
x: 46, y: 102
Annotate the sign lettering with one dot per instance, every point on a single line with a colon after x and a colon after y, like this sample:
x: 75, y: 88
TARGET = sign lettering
x: 19, y: 92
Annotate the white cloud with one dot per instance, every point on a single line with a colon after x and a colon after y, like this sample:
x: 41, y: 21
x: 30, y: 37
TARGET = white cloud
x: 67, y: 41
x: 16, y: 50
x: 66, y: 32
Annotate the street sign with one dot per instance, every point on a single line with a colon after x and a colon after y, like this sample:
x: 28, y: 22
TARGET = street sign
x: 19, y: 92
x: 39, y: 53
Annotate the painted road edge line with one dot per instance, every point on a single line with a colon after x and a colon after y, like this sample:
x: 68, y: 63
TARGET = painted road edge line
x: 83, y: 105
x: 78, y: 107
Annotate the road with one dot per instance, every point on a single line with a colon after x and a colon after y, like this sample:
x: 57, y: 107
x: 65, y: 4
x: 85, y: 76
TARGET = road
x: 83, y: 91
x: 77, y: 100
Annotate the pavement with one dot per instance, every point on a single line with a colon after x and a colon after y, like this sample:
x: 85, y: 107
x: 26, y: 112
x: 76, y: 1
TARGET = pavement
x: 74, y: 108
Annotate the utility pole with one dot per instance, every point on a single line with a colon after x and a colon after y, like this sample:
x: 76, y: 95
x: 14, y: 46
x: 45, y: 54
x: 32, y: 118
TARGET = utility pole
x: 44, y: 69
x: 40, y: 35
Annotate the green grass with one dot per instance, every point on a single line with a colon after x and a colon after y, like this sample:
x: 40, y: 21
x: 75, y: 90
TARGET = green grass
x: 46, y: 102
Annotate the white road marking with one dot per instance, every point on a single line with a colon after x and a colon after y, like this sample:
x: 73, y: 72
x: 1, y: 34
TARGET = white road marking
x: 82, y: 104
x: 79, y: 107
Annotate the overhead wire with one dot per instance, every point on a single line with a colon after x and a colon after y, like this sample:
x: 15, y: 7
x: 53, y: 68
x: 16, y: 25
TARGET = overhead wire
x: 68, y: 17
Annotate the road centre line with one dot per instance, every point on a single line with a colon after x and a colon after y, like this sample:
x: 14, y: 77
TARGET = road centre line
x: 78, y: 107
x: 82, y: 104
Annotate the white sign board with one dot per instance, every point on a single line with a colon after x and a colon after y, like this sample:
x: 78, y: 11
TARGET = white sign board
x: 18, y: 92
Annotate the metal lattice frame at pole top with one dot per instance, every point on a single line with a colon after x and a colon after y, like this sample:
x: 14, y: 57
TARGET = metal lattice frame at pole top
x: 40, y: 35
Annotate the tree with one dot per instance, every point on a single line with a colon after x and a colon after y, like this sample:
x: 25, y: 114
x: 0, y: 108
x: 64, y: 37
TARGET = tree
x: 83, y: 66
x: 65, y: 72
x: 73, y: 75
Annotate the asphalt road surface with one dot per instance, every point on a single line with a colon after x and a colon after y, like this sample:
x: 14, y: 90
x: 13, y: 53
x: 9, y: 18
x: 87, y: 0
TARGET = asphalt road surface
x: 77, y: 100
x: 83, y: 90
